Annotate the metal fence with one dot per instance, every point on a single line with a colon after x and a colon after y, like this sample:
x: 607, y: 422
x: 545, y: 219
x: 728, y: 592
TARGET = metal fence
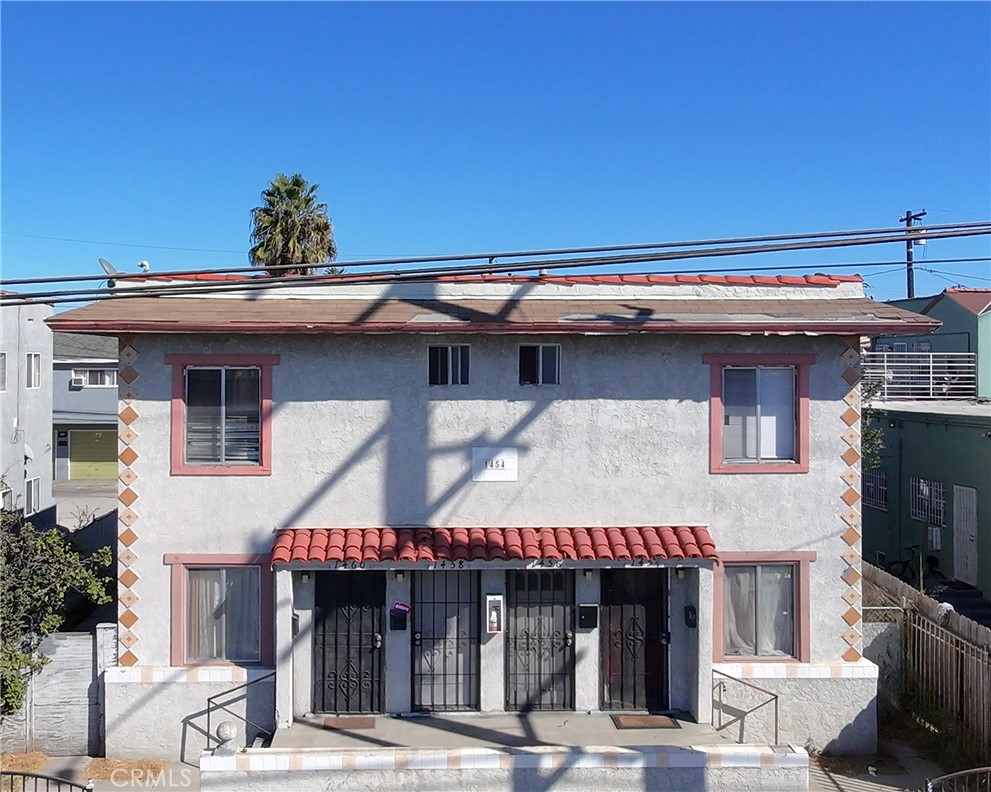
x: 921, y: 375
x: 976, y: 780
x: 15, y: 781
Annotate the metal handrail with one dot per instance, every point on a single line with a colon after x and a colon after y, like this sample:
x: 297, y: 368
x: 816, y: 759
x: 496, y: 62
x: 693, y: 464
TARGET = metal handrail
x: 921, y: 375
x: 211, y: 705
x: 721, y: 685
x: 977, y: 779
x: 50, y: 783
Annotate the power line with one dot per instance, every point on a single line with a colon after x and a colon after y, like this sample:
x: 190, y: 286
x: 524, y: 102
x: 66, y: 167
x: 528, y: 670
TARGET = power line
x: 154, y: 290
x: 123, y: 244
x: 956, y: 274
x: 492, y: 256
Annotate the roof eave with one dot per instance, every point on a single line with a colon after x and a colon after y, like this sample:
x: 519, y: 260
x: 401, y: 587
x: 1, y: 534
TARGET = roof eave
x: 842, y: 327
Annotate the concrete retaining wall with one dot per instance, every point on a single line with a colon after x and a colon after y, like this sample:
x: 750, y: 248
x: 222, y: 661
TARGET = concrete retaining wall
x: 538, y: 769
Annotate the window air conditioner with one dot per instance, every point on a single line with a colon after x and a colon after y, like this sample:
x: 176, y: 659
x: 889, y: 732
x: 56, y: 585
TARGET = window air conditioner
x: 77, y: 382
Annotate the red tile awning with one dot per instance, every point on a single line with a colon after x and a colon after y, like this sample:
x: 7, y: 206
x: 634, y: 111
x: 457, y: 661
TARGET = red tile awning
x: 429, y: 545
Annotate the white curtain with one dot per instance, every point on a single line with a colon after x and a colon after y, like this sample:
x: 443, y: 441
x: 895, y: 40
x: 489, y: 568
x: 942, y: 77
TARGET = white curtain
x: 222, y: 620
x: 758, y: 617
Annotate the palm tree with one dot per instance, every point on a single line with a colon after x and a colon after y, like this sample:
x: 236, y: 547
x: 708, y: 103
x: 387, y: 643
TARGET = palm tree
x: 291, y: 228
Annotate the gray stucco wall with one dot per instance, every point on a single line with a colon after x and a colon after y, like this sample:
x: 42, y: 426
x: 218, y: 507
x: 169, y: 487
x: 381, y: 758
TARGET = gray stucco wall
x: 26, y: 414
x: 87, y: 405
x: 360, y: 439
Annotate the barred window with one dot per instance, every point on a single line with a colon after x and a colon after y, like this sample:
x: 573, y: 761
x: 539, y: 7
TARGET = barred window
x: 928, y: 502
x: 875, y: 484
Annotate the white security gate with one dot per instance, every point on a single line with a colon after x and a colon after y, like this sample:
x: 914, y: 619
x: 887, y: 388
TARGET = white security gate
x: 965, y: 534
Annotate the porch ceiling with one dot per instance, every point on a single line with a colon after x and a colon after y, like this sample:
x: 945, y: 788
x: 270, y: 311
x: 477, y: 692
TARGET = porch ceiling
x: 430, y: 545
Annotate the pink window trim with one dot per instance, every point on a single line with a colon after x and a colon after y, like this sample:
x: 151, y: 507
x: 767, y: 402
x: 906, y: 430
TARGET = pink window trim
x: 180, y: 563
x: 802, y: 559
x: 179, y: 364
x: 717, y: 362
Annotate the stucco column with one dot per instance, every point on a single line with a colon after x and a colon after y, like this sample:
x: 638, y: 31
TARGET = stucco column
x: 302, y: 653
x: 702, y: 709
x: 588, y: 681
x: 283, y: 649
x: 493, y: 648
x: 396, y: 645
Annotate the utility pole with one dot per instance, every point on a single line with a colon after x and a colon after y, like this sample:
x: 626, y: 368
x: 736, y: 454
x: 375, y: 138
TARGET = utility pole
x: 908, y: 219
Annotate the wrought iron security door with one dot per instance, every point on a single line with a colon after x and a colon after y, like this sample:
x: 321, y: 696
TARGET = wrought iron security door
x: 347, y: 642
x: 445, y: 640
x: 540, y: 646
x: 634, y: 639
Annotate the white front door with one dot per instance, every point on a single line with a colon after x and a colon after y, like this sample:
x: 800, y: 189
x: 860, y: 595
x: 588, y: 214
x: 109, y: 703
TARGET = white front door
x: 965, y: 534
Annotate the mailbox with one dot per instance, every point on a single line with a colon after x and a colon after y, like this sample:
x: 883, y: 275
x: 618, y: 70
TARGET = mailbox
x: 588, y: 616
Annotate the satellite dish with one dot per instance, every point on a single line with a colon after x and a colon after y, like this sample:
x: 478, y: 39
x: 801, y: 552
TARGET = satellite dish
x: 109, y: 268
x: 111, y: 271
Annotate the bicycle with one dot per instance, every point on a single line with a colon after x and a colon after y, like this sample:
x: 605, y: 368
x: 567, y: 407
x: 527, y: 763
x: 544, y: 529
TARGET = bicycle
x: 905, y: 569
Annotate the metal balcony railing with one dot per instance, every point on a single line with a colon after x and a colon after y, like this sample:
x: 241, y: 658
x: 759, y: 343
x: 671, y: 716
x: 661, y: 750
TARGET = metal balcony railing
x: 910, y: 376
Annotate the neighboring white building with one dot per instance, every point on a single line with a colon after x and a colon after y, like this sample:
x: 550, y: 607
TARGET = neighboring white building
x: 26, y: 422
x: 590, y: 493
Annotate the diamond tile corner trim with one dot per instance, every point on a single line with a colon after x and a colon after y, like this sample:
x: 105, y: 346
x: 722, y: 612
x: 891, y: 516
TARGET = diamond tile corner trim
x: 128, y: 415
x: 127, y: 537
x: 851, y: 375
x: 851, y: 555
x: 851, y: 536
x: 851, y: 356
x: 851, y: 636
x: 850, y: 497
x: 128, y: 436
x: 128, y: 619
x: 851, y: 655
x: 127, y: 558
x: 850, y: 516
x: 128, y: 456
x: 850, y: 477
x: 129, y: 639
x: 852, y: 398
x: 851, y: 596
x: 127, y: 517
x: 128, y: 598
x: 850, y: 577
x: 850, y: 416
x: 128, y: 578
x: 128, y: 659
x: 128, y: 496
x: 851, y: 617
x: 128, y: 374
x: 851, y: 456
x: 851, y: 436
x: 128, y: 476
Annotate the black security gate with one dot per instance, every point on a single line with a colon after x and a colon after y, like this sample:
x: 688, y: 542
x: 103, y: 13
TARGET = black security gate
x: 634, y: 639
x: 445, y: 640
x: 540, y: 645
x: 347, y: 642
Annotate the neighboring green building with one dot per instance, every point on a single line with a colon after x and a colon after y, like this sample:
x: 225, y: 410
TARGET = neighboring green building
x: 933, y: 484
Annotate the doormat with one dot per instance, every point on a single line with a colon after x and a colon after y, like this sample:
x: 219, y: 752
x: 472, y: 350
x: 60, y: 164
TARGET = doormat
x: 644, y: 722
x: 349, y: 723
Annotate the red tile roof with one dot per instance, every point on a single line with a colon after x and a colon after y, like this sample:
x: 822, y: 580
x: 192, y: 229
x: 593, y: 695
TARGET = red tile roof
x: 633, y: 280
x: 427, y: 545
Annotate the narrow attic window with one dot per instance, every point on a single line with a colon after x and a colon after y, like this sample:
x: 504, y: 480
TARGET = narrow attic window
x: 540, y: 364
x: 448, y: 365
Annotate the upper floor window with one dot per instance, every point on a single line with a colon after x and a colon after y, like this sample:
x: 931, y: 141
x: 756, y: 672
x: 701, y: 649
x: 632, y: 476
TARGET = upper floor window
x: 759, y: 413
x: 7, y: 499
x: 32, y: 376
x: 221, y: 414
x: 928, y: 502
x: 448, y: 365
x: 94, y: 378
x: 875, y: 484
x: 540, y: 364
x: 3, y: 371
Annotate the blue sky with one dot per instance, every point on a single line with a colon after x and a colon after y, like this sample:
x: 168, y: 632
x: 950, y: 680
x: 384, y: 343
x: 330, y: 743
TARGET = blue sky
x: 447, y: 128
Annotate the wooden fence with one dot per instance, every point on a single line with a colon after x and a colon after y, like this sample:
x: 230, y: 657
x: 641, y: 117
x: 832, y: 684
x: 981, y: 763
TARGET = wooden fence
x: 947, y: 662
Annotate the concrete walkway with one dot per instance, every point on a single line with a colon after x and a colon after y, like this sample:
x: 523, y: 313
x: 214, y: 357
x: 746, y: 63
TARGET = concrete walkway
x: 898, y: 767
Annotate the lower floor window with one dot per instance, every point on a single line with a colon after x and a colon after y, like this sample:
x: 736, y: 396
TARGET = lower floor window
x: 759, y: 617
x: 32, y: 495
x: 223, y: 605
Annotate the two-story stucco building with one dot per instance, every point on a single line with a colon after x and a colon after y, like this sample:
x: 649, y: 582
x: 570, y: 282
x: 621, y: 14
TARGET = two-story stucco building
x: 491, y: 494
x: 26, y: 405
